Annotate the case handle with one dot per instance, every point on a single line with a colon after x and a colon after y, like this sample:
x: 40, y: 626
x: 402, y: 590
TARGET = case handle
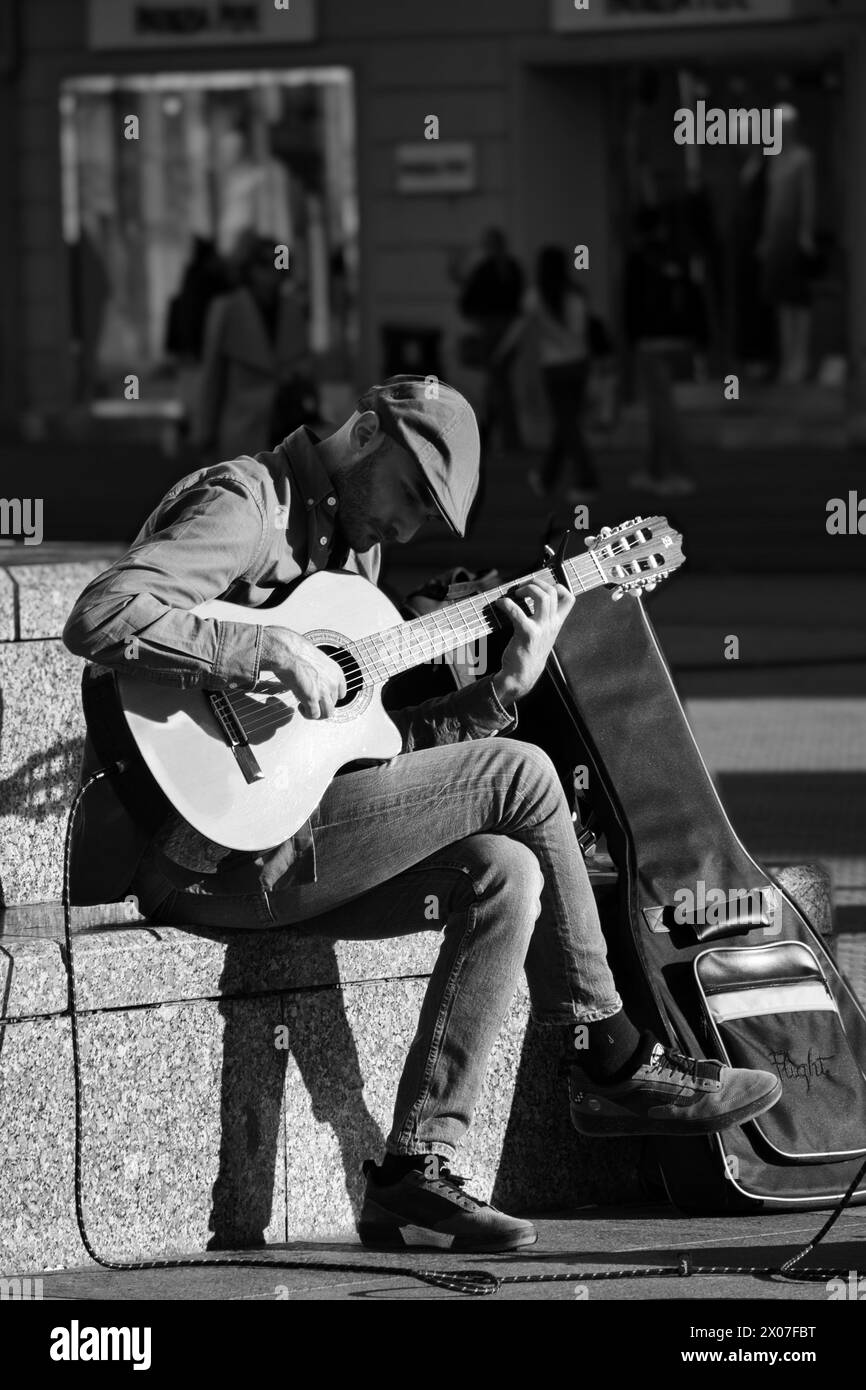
x: 736, y: 916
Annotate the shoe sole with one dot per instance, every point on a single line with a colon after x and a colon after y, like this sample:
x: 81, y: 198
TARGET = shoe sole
x: 391, y: 1233
x: 674, y: 1128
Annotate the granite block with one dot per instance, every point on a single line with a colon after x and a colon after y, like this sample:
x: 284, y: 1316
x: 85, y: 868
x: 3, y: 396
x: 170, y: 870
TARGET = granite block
x: 47, y: 593
x: 128, y: 966
x: 182, y: 1134
x: 37, y: 1218
x: 41, y: 736
x: 345, y: 1057
x: 199, y: 1130
x: 32, y: 980
x: 810, y: 888
x: 119, y: 969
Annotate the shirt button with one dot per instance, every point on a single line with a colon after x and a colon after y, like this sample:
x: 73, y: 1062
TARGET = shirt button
x: 309, y: 501
x: 323, y: 540
x: 332, y: 501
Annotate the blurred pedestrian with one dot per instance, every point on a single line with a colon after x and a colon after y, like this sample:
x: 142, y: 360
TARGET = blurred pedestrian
x: 205, y: 276
x: 661, y: 316
x: 556, y: 320
x: 490, y: 300
x: 256, y: 385
x: 91, y: 296
x: 786, y: 248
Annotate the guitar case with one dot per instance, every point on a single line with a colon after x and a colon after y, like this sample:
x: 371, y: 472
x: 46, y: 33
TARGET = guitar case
x: 707, y: 950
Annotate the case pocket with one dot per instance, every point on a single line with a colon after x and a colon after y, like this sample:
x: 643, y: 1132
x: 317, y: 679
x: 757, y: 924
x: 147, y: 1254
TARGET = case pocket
x: 770, y: 1008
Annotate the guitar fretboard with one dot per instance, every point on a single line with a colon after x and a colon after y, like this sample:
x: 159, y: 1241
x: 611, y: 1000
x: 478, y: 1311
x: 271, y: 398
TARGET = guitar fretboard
x: 400, y: 648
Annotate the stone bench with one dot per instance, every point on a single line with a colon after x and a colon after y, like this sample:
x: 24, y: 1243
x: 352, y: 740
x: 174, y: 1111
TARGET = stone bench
x: 232, y: 1082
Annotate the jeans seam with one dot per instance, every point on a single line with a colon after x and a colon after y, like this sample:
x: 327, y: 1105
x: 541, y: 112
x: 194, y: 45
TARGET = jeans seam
x: 399, y: 804
x: 410, y: 1125
x: 524, y: 792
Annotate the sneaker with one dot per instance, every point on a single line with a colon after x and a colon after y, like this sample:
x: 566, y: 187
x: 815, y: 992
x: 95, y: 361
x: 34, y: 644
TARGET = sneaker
x: 670, y: 1094
x: 435, y: 1211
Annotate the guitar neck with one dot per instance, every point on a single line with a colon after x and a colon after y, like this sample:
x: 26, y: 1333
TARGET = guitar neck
x: 400, y: 648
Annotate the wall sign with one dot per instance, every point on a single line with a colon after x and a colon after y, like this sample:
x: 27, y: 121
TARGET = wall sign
x: 173, y: 23
x: 658, y: 14
x: 436, y: 166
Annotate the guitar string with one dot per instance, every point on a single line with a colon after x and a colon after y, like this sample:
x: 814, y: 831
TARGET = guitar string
x: 374, y: 667
x: 259, y: 717
x: 252, y: 724
x: 374, y: 664
x: 488, y: 616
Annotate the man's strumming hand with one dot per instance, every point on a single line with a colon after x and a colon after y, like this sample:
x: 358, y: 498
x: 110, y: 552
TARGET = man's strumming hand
x: 534, y: 635
x: 314, y: 678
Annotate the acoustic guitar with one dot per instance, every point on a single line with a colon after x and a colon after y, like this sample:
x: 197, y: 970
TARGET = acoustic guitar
x: 246, y: 768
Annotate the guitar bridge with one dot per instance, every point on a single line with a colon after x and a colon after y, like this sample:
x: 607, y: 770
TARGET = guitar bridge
x: 235, y: 735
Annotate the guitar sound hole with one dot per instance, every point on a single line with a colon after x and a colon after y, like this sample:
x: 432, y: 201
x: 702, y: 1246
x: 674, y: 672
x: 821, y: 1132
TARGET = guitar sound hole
x: 350, y: 669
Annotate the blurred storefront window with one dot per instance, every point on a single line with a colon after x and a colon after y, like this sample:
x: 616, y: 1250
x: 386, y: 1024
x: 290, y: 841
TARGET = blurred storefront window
x: 150, y: 223
x: 720, y: 204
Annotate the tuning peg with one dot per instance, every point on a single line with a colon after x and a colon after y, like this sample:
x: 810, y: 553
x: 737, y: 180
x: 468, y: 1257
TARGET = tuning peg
x: 617, y: 594
x: 589, y: 540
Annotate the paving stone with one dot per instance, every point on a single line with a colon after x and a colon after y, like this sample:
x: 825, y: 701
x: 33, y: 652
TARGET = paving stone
x: 594, y: 1240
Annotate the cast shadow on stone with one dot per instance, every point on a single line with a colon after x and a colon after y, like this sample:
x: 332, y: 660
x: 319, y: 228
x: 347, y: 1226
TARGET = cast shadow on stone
x: 545, y: 1165
x: 252, y: 1144
x: 43, y: 785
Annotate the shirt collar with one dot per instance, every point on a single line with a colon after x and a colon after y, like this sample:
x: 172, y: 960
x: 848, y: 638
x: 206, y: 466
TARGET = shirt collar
x: 316, y: 487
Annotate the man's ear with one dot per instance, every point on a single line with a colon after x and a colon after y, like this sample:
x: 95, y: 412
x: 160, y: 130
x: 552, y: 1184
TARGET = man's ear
x: 365, y: 433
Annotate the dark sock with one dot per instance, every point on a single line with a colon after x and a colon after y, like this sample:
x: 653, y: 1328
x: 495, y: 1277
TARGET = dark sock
x: 614, y: 1049
x: 395, y: 1166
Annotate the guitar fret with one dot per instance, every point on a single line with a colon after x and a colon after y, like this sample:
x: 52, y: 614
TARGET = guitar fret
x: 385, y: 654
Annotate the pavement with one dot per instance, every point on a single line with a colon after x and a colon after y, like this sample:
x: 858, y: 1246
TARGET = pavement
x: 599, y: 1254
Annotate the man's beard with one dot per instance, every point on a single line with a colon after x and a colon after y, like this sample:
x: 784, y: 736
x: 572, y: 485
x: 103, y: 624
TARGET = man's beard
x: 354, y: 518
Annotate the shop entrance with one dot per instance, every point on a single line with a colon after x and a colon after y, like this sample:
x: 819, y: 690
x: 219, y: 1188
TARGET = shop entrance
x: 610, y: 159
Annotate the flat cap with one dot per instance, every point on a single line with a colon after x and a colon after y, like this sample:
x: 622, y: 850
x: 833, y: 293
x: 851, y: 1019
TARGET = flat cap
x: 437, y: 425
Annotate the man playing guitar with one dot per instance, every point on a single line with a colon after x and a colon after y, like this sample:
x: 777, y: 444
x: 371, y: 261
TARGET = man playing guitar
x: 479, y: 823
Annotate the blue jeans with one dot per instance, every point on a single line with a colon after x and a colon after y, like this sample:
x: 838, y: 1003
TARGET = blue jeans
x: 476, y: 836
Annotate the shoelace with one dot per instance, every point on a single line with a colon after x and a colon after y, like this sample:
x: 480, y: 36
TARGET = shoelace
x: 666, y: 1059
x: 455, y: 1180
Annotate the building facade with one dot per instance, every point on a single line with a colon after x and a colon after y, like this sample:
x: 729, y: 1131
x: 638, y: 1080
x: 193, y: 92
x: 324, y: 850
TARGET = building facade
x: 547, y: 115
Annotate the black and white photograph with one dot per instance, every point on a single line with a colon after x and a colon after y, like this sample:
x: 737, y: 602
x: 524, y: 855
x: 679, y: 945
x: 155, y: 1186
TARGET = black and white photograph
x: 432, y: 675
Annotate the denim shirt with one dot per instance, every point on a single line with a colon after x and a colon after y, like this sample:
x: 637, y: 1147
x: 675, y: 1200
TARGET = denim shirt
x: 237, y: 531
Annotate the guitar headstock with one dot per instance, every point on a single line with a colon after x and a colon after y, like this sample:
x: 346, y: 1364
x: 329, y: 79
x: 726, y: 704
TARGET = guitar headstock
x: 638, y: 554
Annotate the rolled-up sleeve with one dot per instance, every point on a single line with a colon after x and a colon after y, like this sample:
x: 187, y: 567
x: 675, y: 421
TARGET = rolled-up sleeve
x: 136, y: 615
x: 475, y: 711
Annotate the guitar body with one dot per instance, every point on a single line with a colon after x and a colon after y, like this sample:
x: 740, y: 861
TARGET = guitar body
x: 184, y: 746
x: 247, y: 768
